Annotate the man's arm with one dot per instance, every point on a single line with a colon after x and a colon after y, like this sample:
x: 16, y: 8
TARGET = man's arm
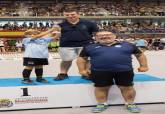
x: 82, y: 62
x: 82, y: 66
x: 55, y: 31
x: 142, y: 61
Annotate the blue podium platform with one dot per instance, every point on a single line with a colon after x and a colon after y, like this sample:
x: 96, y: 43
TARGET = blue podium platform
x: 11, y: 82
x: 72, y: 92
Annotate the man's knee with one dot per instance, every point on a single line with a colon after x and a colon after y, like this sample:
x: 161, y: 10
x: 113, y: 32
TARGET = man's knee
x: 126, y: 88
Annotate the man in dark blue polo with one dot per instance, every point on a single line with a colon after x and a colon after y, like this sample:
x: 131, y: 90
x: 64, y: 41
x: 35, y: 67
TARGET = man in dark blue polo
x: 111, y: 62
x: 75, y: 34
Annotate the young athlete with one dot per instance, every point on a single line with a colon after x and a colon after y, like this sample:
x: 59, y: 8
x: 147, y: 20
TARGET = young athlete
x: 36, y: 53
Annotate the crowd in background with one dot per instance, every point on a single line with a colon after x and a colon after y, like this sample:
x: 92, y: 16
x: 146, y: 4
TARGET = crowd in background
x: 151, y: 30
x: 15, y: 45
x: 99, y: 8
x: 126, y: 31
x: 142, y: 26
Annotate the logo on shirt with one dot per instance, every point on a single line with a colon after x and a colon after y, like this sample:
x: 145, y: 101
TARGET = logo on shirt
x: 97, y: 47
x: 30, y: 62
x: 84, y: 27
x: 118, y: 46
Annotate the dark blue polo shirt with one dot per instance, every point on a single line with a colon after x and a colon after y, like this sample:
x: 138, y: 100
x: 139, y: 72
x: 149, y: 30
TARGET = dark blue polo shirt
x: 113, y: 58
x: 77, y: 35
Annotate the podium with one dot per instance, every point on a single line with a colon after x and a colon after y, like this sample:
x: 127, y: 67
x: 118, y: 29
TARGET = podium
x: 74, y: 91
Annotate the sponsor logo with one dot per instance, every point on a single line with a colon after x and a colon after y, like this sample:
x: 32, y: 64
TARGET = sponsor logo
x: 5, y: 103
x: 118, y: 46
x: 27, y: 100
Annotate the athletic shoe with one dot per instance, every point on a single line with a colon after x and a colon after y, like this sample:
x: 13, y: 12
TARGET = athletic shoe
x: 99, y: 108
x: 61, y: 76
x: 86, y: 77
x: 133, y: 108
x: 41, y: 80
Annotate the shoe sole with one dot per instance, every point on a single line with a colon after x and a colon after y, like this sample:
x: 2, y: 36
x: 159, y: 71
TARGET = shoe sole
x: 27, y: 83
x: 58, y: 79
x: 42, y: 82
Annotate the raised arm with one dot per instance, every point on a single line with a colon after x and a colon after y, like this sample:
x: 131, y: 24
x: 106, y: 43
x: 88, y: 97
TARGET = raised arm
x: 54, y: 30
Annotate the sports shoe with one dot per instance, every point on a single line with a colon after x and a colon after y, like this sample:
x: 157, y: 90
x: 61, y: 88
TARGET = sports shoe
x: 99, y: 108
x: 27, y: 81
x: 61, y: 76
x: 41, y: 80
x: 133, y: 108
x: 86, y: 77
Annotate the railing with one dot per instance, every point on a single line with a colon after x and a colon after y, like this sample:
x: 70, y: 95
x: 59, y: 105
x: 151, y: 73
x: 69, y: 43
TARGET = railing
x: 86, y: 17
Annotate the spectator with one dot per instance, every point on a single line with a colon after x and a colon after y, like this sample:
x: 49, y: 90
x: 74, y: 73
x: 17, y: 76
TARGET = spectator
x: 2, y: 49
x: 36, y: 54
x: 19, y: 46
x: 142, y: 44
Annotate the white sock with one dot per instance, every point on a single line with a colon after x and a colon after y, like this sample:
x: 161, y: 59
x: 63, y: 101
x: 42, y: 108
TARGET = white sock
x: 104, y: 103
x: 126, y: 103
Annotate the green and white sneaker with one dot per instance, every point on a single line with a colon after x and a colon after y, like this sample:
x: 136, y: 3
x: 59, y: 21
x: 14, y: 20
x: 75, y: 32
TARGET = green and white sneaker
x: 99, y: 108
x: 133, y: 108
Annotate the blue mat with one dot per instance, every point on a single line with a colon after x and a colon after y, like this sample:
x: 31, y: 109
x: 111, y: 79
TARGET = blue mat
x: 144, y: 78
x: 10, y: 82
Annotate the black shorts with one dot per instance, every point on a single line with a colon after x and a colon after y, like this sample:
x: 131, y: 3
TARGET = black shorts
x: 107, y: 78
x: 34, y: 61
